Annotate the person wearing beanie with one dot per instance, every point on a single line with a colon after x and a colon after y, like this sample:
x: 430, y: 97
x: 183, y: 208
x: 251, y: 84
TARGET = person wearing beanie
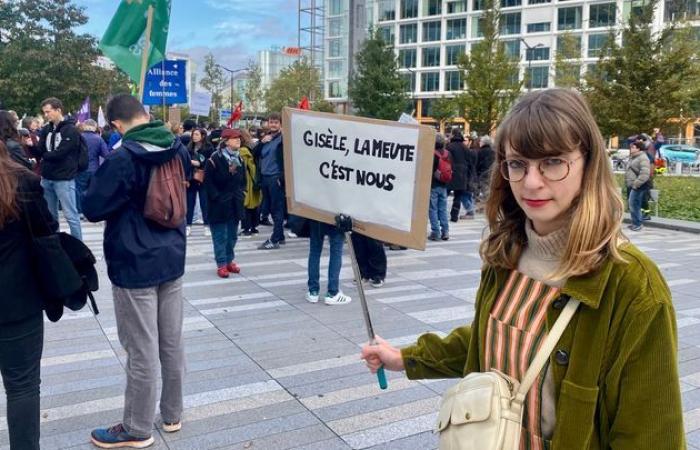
x: 442, y: 175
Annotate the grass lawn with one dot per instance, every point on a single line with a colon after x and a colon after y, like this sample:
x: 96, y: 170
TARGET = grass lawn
x: 679, y: 197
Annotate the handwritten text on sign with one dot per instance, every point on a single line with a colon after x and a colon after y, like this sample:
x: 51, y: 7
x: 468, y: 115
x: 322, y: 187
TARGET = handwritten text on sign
x: 365, y: 170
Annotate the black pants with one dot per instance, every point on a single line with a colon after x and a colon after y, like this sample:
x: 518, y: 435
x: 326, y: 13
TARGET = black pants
x: 370, y: 256
x: 21, y: 345
x: 196, y: 189
x: 251, y: 219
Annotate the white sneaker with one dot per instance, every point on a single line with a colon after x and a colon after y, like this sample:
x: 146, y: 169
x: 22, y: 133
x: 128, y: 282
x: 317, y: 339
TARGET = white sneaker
x: 337, y: 299
x: 377, y: 283
x: 172, y: 427
x: 188, y: 230
x: 207, y: 231
x: 312, y: 297
x: 292, y: 234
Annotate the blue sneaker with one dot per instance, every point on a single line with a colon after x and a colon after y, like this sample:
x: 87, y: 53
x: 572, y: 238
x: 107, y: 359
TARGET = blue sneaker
x: 117, y: 437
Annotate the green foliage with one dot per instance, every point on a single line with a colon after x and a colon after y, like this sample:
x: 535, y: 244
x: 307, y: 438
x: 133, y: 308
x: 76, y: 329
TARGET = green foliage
x: 567, y: 61
x: 296, y: 81
x: 443, y: 110
x: 42, y: 56
x: 215, y: 82
x: 253, y: 90
x: 376, y: 89
x: 323, y: 106
x: 490, y: 75
x: 650, y: 79
x: 679, y: 197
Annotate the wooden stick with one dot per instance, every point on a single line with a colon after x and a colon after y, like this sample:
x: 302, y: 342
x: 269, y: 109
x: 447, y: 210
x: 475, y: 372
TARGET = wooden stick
x: 146, y: 50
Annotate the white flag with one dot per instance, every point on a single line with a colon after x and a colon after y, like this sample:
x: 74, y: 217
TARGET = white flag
x: 101, y: 121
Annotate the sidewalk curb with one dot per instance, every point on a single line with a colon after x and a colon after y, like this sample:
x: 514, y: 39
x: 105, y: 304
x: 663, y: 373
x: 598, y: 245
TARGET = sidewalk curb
x: 669, y: 224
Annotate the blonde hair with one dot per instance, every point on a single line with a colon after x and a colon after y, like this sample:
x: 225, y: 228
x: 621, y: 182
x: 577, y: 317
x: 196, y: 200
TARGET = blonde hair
x: 544, y: 124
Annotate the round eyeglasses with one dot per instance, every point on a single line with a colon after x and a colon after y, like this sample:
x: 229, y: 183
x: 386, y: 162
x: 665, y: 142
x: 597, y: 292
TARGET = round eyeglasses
x: 553, y: 169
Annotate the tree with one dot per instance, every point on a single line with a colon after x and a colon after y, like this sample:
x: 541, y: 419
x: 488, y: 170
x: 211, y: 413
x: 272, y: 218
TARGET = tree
x: 254, y: 93
x: 42, y: 56
x: 567, y: 70
x: 296, y: 81
x: 490, y: 75
x: 214, y: 82
x: 322, y: 106
x: 376, y: 89
x: 443, y: 110
x: 652, y: 78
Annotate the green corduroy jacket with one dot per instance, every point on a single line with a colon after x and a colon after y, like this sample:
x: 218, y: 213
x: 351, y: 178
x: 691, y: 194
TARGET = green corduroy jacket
x: 614, y: 368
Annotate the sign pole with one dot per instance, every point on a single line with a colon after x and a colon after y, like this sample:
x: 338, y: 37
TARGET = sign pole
x: 146, y: 51
x: 381, y: 375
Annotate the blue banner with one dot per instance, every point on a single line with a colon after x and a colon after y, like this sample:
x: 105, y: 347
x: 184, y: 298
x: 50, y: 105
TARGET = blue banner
x: 166, y: 83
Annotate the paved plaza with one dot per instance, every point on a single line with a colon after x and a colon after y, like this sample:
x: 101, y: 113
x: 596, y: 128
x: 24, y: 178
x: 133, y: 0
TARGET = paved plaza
x: 267, y: 370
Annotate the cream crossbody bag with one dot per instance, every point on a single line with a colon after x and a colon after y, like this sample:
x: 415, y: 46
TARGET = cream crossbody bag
x: 484, y: 411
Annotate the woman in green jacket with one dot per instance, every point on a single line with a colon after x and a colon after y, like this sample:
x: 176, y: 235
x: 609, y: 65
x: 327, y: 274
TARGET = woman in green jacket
x: 253, y: 194
x: 554, y: 217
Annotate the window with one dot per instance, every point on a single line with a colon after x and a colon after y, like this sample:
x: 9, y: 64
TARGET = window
x: 334, y: 27
x: 334, y: 48
x: 431, y: 57
x: 538, y: 77
x: 477, y: 27
x: 409, y: 9
x: 680, y: 10
x: 453, y: 80
x: 387, y: 34
x: 510, y: 23
x: 537, y: 54
x: 432, y: 7
x: 569, y: 18
x: 537, y: 2
x: 512, y: 48
x: 335, y: 69
x: 457, y: 6
x: 596, y: 42
x: 539, y: 27
x: 456, y: 29
x: 334, y: 89
x: 509, y: 3
x: 410, y: 79
x: 430, y: 81
x: 431, y: 31
x: 408, y: 34
x: 407, y: 57
x: 387, y: 10
x: 427, y: 107
x: 570, y: 45
x: 335, y: 7
x: 479, y: 5
x: 452, y: 54
x: 602, y: 15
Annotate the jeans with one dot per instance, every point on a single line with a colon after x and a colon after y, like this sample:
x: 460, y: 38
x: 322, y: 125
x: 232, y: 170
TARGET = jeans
x: 21, y: 345
x: 462, y: 198
x: 635, y: 204
x: 335, y: 238
x: 82, y: 180
x: 64, y: 192
x: 224, y: 236
x: 370, y: 255
x: 149, y: 326
x: 275, y: 193
x: 438, y: 210
x: 192, y: 192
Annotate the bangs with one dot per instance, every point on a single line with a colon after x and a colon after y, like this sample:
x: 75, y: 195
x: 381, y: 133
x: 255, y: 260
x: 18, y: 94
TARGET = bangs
x: 538, y: 129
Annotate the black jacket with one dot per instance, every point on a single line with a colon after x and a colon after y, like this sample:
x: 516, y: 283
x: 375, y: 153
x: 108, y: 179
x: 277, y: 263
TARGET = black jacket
x: 201, y: 155
x: 17, y: 153
x: 225, y: 191
x: 139, y: 252
x: 463, y: 166
x: 486, y: 158
x: 59, y: 149
x: 20, y: 297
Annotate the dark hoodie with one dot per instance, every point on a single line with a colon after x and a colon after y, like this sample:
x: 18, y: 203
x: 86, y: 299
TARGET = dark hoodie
x: 139, y: 253
x: 59, y: 148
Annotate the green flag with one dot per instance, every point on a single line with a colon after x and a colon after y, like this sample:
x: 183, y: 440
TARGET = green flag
x: 124, y: 40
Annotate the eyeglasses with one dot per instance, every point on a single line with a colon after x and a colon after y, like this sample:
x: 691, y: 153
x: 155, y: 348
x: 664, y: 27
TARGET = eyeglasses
x: 553, y: 169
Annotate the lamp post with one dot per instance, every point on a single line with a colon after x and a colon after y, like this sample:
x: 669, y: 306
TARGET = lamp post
x: 529, y: 61
x: 231, y: 72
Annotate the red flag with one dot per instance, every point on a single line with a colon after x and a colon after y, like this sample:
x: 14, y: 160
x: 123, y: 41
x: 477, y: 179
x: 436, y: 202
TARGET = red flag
x: 304, y: 103
x: 236, y: 115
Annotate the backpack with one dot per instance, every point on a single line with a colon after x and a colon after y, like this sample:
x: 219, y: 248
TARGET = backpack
x: 165, y: 198
x: 83, y: 159
x: 444, y: 169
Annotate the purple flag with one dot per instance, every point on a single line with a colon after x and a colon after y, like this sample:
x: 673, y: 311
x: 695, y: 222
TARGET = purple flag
x: 84, y: 111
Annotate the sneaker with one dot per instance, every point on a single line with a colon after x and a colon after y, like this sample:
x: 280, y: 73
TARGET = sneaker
x: 172, y: 427
x: 207, y: 231
x: 232, y: 267
x: 636, y: 228
x: 445, y: 236
x: 254, y: 231
x: 377, y: 282
x: 467, y: 216
x: 188, y: 230
x: 268, y: 245
x: 337, y: 299
x: 117, y: 437
x: 245, y: 233
x: 222, y: 272
x: 292, y: 234
x: 434, y: 236
x: 312, y: 297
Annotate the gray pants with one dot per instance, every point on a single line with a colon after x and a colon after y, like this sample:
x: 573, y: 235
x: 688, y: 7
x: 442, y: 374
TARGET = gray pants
x: 149, y: 324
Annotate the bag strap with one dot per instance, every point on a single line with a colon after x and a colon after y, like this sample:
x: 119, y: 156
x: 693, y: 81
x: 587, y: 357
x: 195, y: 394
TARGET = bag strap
x: 547, y: 347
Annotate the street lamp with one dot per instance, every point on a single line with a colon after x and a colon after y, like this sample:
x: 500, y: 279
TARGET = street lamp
x: 231, y: 72
x: 529, y: 61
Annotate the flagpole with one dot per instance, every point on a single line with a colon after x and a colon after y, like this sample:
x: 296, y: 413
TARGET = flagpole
x: 146, y: 51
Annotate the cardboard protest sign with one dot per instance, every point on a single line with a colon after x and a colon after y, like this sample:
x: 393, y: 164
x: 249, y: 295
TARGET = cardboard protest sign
x: 376, y: 171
